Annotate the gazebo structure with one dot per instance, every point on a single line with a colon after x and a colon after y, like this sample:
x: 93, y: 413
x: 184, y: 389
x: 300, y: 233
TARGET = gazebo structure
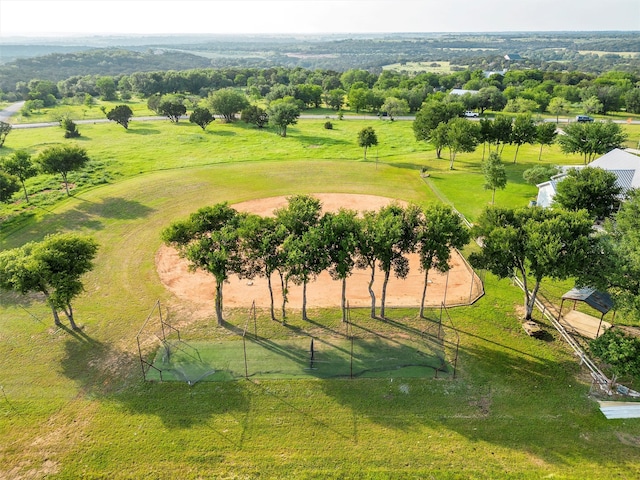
x: 582, y: 323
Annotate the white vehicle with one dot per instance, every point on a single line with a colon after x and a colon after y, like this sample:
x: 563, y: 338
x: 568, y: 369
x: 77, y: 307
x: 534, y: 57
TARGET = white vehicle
x: 470, y: 114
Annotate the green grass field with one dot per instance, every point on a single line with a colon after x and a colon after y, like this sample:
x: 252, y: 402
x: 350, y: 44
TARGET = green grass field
x: 74, y: 405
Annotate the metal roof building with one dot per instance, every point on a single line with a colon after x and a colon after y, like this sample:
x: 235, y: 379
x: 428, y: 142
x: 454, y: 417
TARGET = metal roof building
x: 626, y: 167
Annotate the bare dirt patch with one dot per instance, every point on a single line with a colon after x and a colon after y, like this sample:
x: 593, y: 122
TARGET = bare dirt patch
x: 459, y: 286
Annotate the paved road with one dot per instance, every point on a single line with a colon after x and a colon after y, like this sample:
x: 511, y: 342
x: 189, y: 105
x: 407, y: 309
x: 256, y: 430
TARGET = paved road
x: 7, y: 113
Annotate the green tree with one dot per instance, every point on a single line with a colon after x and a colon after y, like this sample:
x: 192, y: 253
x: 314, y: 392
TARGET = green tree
x: 623, y: 281
x: 619, y: 350
x: 153, y: 103
x: 341, y: 239
x: 591, y: 139
x: 501, y: 132
x: 539, y: 174
x: 534, y: 243
x: 558, y: 106
x: 439, y: 230
x: 62, y: 160
x: 462, y: 136
x: 546, y: 134
x: 5, y: 129
x: 282, y: 113
x: 255, y: 115
x: 201, y: 117
x: 524, y: 131
x: 210, y: 240
x: 121, y: 114
x: 70, y: 127
x: 490, y: 98
x: 107, y: 88
x: 227, y: 102
x: 394, y: 107
x: 359, y: 97
x: 335, y: 98
x: 20, y: 165
x: 632, y: 100
x: 53, y: 267
x: 172, y: 108
x: 495, y: 174
x: 367, y: 138
x: 440, y: 138
x: 592, y: 189
x: 301, y: 218
x: 432, y: 114
x: 306, y: 257
x: 397, y: 225
x: 371, y: 236
x: 592, y: 105
x: 9, y: 185
x: 262, y: 239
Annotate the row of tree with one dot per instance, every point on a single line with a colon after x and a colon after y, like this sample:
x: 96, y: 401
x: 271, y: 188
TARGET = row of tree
x: 299, y: 242
x: 441, y: 124
x: 512, y: 91
x: 16, y: 168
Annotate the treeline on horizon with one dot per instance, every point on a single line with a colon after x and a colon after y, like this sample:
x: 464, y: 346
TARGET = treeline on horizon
x: 514, y: 91
x: 592, y: 52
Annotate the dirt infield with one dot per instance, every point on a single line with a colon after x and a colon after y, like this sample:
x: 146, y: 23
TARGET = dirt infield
x: 459, y: 286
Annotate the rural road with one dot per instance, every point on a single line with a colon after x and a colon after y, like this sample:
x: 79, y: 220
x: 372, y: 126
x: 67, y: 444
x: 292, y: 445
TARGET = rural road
x: 7, y: 113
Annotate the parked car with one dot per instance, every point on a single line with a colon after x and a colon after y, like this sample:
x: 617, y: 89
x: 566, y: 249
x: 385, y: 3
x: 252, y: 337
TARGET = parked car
x: 584, y: 118
x: 471, y: 114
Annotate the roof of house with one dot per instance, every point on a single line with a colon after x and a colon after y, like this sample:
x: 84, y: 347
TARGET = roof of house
x: 625, y: 166
x: 462, y: 91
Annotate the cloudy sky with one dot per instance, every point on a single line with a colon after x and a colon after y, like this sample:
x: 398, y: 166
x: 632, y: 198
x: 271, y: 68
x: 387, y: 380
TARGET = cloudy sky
x: 54, y: 17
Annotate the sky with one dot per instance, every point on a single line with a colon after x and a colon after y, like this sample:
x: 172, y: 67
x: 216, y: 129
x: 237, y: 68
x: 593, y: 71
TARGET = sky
x: 103, y: 17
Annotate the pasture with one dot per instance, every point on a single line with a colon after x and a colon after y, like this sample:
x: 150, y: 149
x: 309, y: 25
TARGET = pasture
x: 74, y: 404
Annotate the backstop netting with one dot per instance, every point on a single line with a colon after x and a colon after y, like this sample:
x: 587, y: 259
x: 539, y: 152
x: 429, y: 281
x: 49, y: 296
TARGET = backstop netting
x: 352, y: 351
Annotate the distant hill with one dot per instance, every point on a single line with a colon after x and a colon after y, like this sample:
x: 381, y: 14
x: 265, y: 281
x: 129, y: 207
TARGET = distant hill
x: 61, y: 58
x: 59, y: 66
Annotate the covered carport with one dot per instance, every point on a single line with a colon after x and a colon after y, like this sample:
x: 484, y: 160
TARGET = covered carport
x: 582, y: 323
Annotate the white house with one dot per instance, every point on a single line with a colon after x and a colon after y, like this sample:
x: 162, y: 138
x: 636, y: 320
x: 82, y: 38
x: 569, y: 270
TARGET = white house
x: 461, y: 91
x: 626, y: 166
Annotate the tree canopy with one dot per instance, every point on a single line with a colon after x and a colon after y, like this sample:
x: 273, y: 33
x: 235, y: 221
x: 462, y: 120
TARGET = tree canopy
x: 63, y: 160
x: 121, y: 114
x: 52, y: 267
x: 592, y: 189
x: 20, y: 165
x: 5, y: 129
x: 282, y: 113
x: 534, y: 243
x: 367, y: 138
x: 495, y: 174
x: 227, y: 102
x: 201, y: 117
x: 210, y: 240
x: 591, y: 139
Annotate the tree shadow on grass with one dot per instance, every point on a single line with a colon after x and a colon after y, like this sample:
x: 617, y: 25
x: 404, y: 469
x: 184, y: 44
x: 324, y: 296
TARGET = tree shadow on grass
x: 142, y: 131
x: 315, y: 140
x: 106, y: 373
x: 116, y: 208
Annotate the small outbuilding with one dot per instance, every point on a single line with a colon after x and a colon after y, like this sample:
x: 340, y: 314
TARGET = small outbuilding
x: 581, y: 323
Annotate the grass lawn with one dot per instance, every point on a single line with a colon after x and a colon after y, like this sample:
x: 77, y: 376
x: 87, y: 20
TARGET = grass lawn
x: 73, y: 405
